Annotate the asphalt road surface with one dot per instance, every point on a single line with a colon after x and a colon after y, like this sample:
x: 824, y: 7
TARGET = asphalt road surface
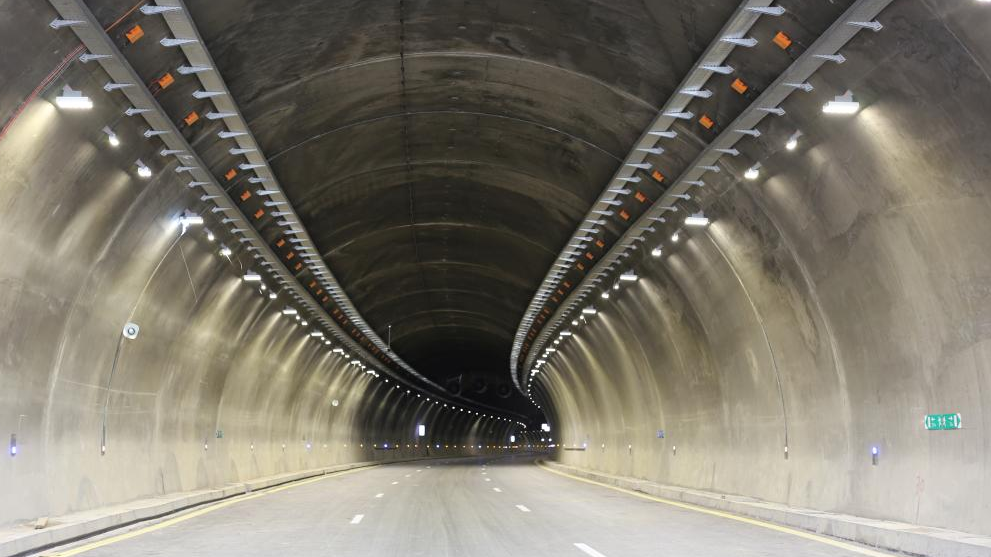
x: 462, y: 507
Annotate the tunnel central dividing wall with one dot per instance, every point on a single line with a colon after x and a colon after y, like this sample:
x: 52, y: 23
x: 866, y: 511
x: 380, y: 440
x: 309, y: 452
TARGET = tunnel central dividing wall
x: 832, y: 304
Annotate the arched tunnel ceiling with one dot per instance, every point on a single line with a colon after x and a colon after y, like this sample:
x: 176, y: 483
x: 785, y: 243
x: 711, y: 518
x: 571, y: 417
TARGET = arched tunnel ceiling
x: 441, y: 154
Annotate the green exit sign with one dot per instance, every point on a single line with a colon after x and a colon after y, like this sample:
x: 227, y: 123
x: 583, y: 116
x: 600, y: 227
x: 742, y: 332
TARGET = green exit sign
x: 943, y: 421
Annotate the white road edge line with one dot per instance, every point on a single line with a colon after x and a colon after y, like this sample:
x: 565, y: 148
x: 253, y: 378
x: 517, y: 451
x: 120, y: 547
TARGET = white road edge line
x: 357, y: 518
x: 380, y: 495
x: 588, y: 550
x: 497, y: 490
x: 522, y: 508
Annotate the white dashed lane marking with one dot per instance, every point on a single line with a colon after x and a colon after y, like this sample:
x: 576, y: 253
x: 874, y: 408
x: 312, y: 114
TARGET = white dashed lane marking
x: 588, y: 550
x: 357, y: 518
x: 380, y: 495
x: 497, y: 490
x: 522, y: 508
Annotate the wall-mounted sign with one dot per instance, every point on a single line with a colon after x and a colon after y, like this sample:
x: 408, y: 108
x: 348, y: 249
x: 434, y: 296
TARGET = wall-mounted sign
x: 940, y: 422
x: 660, y: 434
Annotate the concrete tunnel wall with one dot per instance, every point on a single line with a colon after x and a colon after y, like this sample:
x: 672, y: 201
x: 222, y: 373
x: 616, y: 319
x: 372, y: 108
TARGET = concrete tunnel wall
x: 836, y: 300
x: 87, y: 246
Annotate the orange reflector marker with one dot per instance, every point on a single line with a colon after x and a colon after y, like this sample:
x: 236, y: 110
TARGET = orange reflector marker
x: 600, y: 243
x: 259, y: 213
x: 589, y: 256
x: 560, y: 292
x: 319, y: 291
x: 230, y: 174
x: 783, y: 41
x: 706, y: 122
x: 556, y: 299
x: 657, y: 176
x: 313, y: 283
x: 641, y: 197
x: 280, y: 243
x: 166, y: 80
x: 245, y: 195
x: 134, y: 34
x: 739, y: 86
x: 290, y: 256
x: 624, y: 214
x: 191, y: 118
x: 581, y: 267
x: 567, y: 284
x: 298, y: 266
x: 325, y: 298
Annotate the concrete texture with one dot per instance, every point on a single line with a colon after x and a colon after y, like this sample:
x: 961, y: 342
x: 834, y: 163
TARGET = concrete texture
x: 452, y: 509
x: 833, y: 302
x: 831, y: 305
x: 899, y: 537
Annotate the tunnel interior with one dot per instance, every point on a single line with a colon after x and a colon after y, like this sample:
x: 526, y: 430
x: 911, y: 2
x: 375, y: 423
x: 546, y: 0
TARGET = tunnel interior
x: 733, y: 247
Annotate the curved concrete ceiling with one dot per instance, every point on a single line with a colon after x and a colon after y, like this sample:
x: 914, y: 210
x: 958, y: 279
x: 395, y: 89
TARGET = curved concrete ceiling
x: 447, y: 148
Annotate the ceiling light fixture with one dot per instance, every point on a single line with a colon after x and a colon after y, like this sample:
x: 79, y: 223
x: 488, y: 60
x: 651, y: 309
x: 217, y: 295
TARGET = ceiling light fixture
x: 112, y: 138
x: 792, y: 142
x: 753, y: 172
x: 143, y: 169
x: 842, y: 104
x: 73, y: 100
x: 251, y: 276
x: 697, y: 219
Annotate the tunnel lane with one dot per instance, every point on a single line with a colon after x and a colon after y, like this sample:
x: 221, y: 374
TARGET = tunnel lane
x: 477, y: 507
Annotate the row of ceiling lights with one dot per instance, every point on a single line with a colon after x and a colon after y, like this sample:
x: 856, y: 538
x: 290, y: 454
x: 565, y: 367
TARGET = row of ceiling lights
x: 844, y: 104
x: 76, y: 100
x: 71, y: 99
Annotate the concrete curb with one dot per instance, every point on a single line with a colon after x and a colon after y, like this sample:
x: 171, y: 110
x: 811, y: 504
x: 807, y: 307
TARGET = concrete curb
x: 880, y: 534
x: 25, y: 540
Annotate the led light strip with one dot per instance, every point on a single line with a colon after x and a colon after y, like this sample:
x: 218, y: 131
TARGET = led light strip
x: 825, y: 49
x: 129, y: 83
x: 732, y: 34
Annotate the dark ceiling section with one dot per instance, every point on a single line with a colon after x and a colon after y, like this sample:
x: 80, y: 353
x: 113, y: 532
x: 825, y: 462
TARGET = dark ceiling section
x: 440, y: 184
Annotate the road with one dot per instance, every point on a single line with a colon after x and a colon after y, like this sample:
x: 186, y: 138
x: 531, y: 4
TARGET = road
x: 463, y: 508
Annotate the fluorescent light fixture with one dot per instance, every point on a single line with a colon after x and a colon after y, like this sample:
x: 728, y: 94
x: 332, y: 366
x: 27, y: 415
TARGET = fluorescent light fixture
x: 605, y: 295
x: 252, y: 276
x: 589, y: 311
x: 304, y: 322
x: 189, y: 219
x: 209, y: 234
x: 675, y: 237
x: 842, y: 104
x: 697, y: 219
x: 316, y: 334
x: 143, y: 169
x: 272, y: 295
x: 656, y: 252
x: 225, y: 251
x: 111, y: 136
x: 628, y: 276
x: 566, y: 333
x: 289, y: 311
x: 753, y: 172
x: 792, y: 142
x: 421, y: 430
x: 73, y: 100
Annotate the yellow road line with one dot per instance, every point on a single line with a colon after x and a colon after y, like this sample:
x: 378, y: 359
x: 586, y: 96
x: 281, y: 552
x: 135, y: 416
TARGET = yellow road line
x: 199, y: 512
x: 770, y: 526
